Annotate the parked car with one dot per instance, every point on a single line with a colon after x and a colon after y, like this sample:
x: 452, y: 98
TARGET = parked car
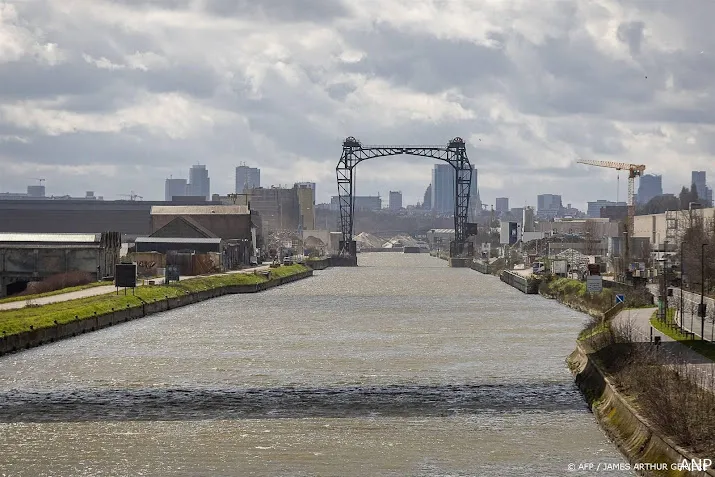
x: 287, y: 261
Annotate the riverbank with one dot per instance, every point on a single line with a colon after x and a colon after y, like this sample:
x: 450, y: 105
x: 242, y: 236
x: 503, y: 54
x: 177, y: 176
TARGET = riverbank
x: 36, y: 325
x: 638, y: 438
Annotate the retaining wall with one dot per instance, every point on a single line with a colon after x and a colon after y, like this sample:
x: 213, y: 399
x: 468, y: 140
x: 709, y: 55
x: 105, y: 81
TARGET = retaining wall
x: 318, y: 264
x: 33, y: 338
x: 523, y: 284
x: 637, y: 439
x: 343, y: 261
x: 481, y: 267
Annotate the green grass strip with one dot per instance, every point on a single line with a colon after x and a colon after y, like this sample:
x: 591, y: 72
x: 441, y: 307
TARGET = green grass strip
x: 20, y: 320
x: 13, y: 299
x: 702, y: 347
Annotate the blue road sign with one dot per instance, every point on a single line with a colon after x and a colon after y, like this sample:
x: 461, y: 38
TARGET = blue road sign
x: 620, y: 299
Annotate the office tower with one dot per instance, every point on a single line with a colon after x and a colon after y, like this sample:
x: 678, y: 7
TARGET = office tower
x: 475, y: 203
x: 280, y: 208
x: 502, y: 205
x: 427, y: 202
x: 199, y: 182
x: 548, y: 205
x: 175, y: 188
x: 443, y: 188
x: 594, y: 208
x: 36, y: 191
x: 395, y: 200
x: 306, y: 202
x: 699, y: 179
x: 360, y: 202
x: 528, y: 223
x: 650, y: 186
x: 248, y: 178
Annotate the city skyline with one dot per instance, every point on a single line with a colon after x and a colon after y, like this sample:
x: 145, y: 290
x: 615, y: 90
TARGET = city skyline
x: 525, y: 100
x: 326, y: 195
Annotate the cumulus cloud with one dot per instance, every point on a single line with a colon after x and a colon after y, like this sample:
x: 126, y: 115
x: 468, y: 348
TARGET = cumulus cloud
x: 117, y: 95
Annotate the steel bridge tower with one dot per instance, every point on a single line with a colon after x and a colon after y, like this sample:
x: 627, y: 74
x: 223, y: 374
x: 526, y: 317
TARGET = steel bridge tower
x: 454, y: 153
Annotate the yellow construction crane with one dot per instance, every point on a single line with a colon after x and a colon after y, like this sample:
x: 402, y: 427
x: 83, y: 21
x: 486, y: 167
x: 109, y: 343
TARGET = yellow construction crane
x: 634, y: 170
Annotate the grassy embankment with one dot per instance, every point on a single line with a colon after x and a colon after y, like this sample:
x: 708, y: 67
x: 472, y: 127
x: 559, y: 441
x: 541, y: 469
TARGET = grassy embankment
x: 35, y: 317
x: 573, y: 293
x: 13, y: 299
x: 671, y: 329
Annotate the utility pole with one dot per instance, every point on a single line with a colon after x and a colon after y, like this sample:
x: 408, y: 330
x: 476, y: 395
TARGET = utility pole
x: 665, y: 281
x: 682, y: 285
x: 701, y: 309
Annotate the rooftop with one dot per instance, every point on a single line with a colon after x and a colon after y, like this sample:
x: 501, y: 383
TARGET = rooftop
x: 200, y: 210
x: 53, y: 238
x: 177, y: 240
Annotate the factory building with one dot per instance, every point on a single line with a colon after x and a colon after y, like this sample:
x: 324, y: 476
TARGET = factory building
x: 32, y: 257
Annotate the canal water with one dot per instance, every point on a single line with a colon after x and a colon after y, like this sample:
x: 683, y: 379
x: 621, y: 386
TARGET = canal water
x: 401, y: 366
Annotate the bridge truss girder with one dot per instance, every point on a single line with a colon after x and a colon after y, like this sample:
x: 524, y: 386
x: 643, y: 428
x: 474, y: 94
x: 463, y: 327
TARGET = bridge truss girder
x: 455, y: 154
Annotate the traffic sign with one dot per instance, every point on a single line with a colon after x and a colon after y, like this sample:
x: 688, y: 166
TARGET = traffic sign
x: 620, y: 299
x: 594, y: 284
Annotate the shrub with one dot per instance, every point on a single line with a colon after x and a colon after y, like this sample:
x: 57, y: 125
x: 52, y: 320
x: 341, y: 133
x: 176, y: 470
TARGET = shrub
x: 58, y: 282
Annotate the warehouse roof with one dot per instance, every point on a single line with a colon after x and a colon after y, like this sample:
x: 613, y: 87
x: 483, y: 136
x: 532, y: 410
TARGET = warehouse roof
x: 200, y: 210
x: 176, y: 240
x: 52, y: 238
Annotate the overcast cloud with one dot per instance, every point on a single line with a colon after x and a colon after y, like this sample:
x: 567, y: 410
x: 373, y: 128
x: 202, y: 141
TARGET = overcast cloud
x: 114, y: 96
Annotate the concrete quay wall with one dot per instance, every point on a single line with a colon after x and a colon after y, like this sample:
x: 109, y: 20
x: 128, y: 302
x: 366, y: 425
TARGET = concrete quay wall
x: 34, y: 338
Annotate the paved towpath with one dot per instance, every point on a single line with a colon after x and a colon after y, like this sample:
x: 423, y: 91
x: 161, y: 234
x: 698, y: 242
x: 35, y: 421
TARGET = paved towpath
x: 102, y: 290
x: 639, y: 321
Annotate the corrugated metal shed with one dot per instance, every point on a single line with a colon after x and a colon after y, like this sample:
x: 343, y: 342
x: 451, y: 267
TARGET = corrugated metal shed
x: 177, y: 240
x: 49, y: 238
x: 200, y: 210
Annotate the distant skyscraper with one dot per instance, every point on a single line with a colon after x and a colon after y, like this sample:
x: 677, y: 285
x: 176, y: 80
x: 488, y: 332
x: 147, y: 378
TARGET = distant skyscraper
x: 443, y: 188
x: 594, y: 208
x: 527, y: 223
x: 502, y: 205
x: 704, y: 193
x: 395, y: 200
x: 199, y: 182
x: 427, y: 202
x: 548, y: 205
x: 475, y: 203
x: 650, y: 186
x: 35, y: 191
x: 306, y: 202
x: 175, y: 188
x: 248, y: 178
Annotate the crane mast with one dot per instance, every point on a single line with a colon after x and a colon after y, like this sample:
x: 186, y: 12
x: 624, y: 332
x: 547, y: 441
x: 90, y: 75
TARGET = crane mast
x: 634, y: 170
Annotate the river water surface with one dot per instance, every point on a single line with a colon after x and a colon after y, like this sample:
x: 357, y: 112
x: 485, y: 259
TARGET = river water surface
x: 401, y: 366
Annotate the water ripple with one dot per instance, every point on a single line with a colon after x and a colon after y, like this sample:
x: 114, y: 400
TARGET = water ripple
x: 284, y: 402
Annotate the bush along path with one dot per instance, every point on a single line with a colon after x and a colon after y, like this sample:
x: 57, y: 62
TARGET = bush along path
x: 657, y: 401
x: 34, y: 325
x: 573, y: 294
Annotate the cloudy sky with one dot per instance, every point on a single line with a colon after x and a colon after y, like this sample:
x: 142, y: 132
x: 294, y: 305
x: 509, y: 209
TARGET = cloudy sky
x: 114, y: 96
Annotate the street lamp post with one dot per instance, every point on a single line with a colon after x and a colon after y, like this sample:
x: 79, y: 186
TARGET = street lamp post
x: 682, y: 285
x: 665, y: 281
x: 701, y: 310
